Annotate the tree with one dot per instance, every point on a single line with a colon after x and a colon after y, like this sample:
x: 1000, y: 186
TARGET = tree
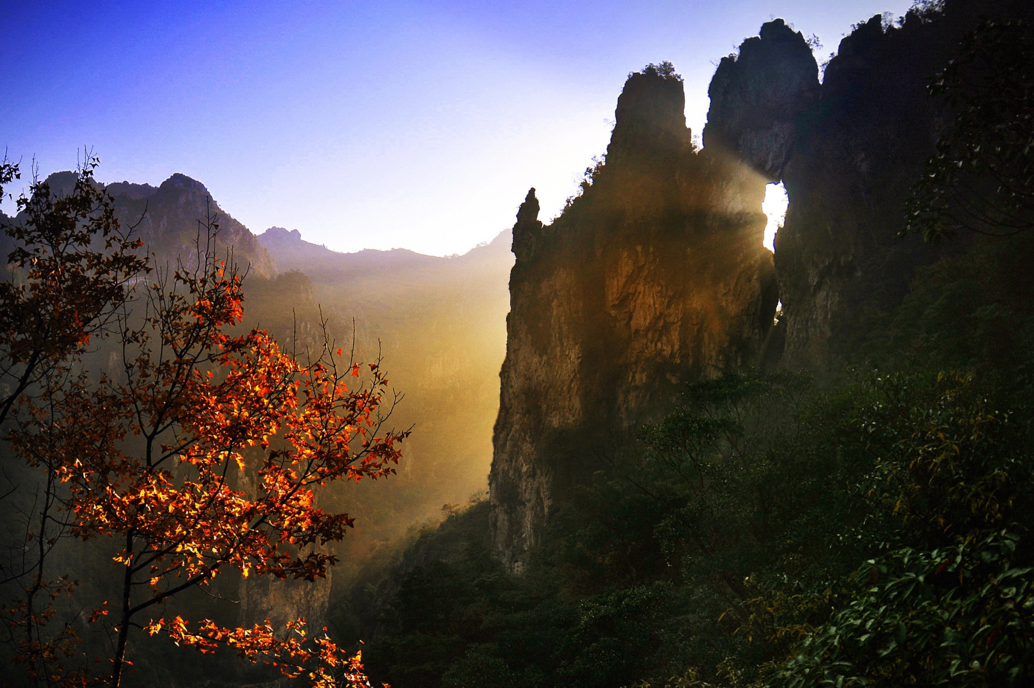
x: 70, y: 273
x: 948, y: 599
x: 981, y: 178
x: 203, y: 452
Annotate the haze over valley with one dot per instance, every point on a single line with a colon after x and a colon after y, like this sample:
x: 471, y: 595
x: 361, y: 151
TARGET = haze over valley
x: 561, y: 345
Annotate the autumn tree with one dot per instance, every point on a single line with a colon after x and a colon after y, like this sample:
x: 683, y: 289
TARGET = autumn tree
x: 201, y: 451
x: 69, y: 273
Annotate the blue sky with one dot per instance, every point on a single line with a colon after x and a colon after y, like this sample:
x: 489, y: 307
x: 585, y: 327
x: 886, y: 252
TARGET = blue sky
x: 362, y: 124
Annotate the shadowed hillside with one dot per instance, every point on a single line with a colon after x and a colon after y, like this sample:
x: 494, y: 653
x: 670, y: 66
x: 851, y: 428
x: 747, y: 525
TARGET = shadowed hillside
x: 693, y: 489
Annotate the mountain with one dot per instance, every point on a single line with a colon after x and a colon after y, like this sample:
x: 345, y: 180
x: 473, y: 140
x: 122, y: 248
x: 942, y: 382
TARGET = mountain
x: 412, y: 275
x: 655, y: 277
x: 166, y: 217
x: 693, y: 486
x: 438, y: 325
x: 848, y: 152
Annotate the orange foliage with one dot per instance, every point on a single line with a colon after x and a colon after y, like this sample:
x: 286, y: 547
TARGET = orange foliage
x: 74, y: 265
x: 203, y: 453
x: 322, y: 662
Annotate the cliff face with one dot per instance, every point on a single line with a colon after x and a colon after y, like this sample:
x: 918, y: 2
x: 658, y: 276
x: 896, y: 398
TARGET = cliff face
x: 264, y: 599
x: 848, y: 152
x: 859, y: 148
x: 757, y: 96
x: 654, y: 276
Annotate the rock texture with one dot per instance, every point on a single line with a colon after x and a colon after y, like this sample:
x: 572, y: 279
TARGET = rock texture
x: 848, y: 152
x: 655, y: 275
x: 279, y: 602
x: 757, y: 96
x: 858, y: 150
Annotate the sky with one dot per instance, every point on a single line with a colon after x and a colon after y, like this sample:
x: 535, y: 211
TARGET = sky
x: 416, y: 125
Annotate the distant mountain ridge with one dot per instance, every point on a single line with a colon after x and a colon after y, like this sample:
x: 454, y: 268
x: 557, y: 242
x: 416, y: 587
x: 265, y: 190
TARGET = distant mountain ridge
x: 436, y: 323
x: 440, y: 325
x: 166, y: 218
x: 380, y: 286
x: 295, y: 253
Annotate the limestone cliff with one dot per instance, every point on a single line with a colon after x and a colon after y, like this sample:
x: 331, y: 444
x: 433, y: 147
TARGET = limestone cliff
x: 757, y: 96
x: 848, y: 152
x: 655, y: 275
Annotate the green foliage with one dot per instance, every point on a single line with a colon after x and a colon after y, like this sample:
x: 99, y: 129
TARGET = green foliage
x: 955, y: 616
x: 947, y: 600
x: 952, y: 476
x: 635, y: 575
x: 982, y: 176
x: 955, y: 463
x: 968, y: 312
x: 665, y: 70
x: 766, y: 532
x: 480, y: 667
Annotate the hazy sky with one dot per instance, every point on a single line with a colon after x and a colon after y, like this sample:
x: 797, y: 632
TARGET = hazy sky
x: 362, y: 124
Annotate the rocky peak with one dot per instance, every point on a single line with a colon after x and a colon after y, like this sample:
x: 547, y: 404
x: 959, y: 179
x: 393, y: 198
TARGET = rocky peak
x: 757, y: 95
x: 857, y: 56
x: 132, y: 191
x: 166, y: 218
x: 62, y: 183
x: 651, y: 278
x: 528, y: 227
x: 650, y: 117
x: 280, y: 235
x: 182, y: 182
x: 528, y: 213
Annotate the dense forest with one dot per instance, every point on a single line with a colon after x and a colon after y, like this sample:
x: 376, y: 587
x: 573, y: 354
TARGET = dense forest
x: 774, y: 529
x: 712, y: 465
x: 854, y: 511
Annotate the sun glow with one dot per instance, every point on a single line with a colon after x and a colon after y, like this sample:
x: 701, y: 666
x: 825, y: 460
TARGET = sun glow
x: 774, y: 207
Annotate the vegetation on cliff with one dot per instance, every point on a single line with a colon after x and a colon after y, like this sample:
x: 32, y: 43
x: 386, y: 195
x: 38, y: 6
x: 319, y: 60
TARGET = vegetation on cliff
x: 773, y: 530
x: 867, y: 524
x: 655, y: 274
x: 687, y: 492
